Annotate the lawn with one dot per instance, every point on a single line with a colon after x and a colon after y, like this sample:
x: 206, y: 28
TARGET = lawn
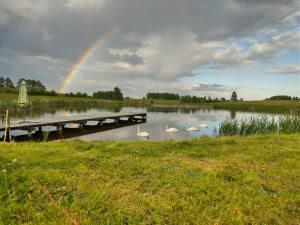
x: 228, y: 180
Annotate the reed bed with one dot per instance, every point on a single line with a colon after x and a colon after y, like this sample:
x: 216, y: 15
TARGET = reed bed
x: 259, y: 125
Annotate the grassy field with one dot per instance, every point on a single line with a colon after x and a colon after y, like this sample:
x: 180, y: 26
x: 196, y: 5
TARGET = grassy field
x: 229, y: 180
x: 281, y: 106
x: 271, y: 106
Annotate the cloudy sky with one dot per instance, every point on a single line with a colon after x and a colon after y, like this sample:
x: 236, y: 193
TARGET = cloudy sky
x: 201, y: 47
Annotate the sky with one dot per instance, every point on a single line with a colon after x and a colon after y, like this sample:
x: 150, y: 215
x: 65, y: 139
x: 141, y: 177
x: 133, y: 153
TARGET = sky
x: 194, y: 47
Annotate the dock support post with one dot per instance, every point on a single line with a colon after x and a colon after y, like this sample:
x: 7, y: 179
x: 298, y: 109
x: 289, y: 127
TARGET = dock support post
x: 29, y: 135
x: 100, y: 123
x: 60, y: 128
x: 81, y: 125
x: 117, y: 120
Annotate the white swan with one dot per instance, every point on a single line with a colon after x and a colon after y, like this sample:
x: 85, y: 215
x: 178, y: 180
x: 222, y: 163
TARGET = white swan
x: 171, y: 129
x: 192, y: 128
x: 203, y: 125
x: 143, y: 134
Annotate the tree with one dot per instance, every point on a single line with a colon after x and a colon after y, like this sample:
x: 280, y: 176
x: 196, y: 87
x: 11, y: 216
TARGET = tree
x: 2, y: 82
x: 164, y: 96
x: 8, y: 83
x: 33, y: 84
x: 280, y: 97
x: 234, y: 96
x: 117, y: 95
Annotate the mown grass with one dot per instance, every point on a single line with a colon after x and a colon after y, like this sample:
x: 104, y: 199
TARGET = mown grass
x: 260, y: 125
x: 229, y: 180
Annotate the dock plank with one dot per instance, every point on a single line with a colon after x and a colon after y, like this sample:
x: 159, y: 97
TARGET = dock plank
x: 15, y: 125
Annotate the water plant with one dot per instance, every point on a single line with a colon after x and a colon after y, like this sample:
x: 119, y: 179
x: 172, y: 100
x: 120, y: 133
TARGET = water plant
x: 259, y: 125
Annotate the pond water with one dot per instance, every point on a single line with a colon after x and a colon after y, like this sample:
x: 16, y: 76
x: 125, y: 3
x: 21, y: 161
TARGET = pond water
x: 157, y: 120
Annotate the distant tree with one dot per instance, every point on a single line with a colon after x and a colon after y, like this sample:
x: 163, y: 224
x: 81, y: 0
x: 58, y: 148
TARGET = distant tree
x: 117, y: 95
x: 8, y: 83
x: 2, y: 82
x: 32, y: 84
x: 234, y: 96
x: 163, y: 96
x: 280, y: 97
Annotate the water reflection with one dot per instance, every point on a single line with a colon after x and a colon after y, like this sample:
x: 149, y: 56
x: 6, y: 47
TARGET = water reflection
x: 157, y: 120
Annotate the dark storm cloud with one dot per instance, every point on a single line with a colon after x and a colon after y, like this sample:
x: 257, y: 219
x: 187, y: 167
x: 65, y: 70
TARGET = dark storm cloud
x: 71, y: 31
x: 157, y: 40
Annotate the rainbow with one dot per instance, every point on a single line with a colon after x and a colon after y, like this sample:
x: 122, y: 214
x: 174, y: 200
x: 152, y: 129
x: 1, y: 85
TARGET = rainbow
x: 82, y: 60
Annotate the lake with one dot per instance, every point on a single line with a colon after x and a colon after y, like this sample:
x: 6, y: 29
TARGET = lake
x: 157, y: 120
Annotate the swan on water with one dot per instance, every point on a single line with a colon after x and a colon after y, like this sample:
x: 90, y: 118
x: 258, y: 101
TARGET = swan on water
x: 203, y: 125
x: 171, y: 129
x: 192, y: 128
x: 140, y: 133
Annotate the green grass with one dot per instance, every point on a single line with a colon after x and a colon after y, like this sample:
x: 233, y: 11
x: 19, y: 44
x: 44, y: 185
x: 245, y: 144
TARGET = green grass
x: 271, y: 106
x: 228, y: 180
x: 260, y: 125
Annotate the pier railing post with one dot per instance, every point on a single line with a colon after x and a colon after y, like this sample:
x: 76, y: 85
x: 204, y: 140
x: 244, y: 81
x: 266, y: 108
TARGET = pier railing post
x: 60, y: 128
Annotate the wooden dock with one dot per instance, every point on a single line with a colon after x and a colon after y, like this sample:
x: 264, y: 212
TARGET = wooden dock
x: 115, y: 120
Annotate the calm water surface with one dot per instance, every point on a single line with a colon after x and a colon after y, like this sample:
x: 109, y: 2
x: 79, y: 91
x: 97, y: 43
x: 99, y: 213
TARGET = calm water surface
x: 158, y: 119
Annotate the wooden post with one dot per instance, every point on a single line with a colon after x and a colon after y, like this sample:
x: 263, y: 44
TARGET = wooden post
x: 29, y: 135
x: 7, y: 136
x: 60, y: 128
x: 144, y: 118
x: 81, y: 125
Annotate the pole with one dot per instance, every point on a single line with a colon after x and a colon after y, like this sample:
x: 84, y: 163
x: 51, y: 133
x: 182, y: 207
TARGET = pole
x: 24, y: 114
x: 7, y: 128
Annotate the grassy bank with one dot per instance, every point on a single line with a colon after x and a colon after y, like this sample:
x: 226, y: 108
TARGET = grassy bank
x: 232, y: 180
x: 272, y: 106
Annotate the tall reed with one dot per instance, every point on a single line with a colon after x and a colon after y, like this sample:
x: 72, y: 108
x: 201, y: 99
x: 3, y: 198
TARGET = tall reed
x: 259, y: 125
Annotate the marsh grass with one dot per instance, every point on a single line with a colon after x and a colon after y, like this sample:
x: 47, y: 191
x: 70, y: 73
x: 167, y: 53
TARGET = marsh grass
x: 259, y: 125
x: 224, y: 180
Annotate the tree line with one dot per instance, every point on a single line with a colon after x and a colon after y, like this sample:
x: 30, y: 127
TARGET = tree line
x: 35, y: 87
x: 115, y: 94
x: 189, y: 98
x: 283, y: 97
x: 164, y: 96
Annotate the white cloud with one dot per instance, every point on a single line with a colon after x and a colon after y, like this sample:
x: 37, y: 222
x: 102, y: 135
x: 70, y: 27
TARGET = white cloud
x: 84, y: 4
x: 276, y: 45
x: 287, y: 69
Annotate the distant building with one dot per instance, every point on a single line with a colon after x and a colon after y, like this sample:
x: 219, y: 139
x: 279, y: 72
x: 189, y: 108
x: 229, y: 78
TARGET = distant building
x: 234, y: 96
